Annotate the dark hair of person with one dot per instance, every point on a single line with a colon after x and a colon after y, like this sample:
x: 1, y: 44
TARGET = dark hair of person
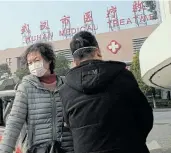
x: 82, y: 41
x: 46, y: 51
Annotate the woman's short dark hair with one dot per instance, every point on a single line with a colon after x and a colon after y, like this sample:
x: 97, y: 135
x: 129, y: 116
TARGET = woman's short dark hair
x: 46, y: 51
x: 83, y: 40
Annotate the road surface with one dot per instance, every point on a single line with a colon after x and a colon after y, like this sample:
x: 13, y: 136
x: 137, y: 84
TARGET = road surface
x: 159, y: 140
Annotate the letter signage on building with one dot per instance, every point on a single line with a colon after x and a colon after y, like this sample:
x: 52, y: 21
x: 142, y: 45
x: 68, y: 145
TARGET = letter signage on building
x: 138, y: 15
x: 45, y: 35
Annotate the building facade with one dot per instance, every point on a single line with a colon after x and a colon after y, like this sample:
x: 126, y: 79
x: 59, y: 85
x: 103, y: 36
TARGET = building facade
x: 116, y: 46
x: 165, y: 8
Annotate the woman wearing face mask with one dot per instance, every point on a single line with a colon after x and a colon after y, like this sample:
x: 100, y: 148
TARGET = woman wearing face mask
x: 37, y: 103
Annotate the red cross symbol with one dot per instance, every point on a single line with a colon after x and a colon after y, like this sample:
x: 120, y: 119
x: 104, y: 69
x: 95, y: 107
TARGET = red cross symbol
x: 114, y: 46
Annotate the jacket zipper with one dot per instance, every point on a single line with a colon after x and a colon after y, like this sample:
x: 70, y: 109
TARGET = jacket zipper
x: 54, y: 136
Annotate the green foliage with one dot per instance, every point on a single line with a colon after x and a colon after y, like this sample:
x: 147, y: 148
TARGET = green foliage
x: 20, y: 73
x: 151, y: 5
x: 62, y: 65
x: 135, y: 69
x: 4, y: 68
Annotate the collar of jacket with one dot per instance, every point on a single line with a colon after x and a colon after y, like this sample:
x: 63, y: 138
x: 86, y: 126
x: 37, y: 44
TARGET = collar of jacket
x: 36, y: 82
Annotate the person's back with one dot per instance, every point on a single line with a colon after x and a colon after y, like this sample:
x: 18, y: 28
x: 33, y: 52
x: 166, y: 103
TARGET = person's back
x: 104, y: 107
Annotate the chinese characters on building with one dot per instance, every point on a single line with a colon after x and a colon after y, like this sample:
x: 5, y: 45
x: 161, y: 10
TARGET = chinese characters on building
x: 138, y: 8
x: 112, y: 18
x: 26, y: 33
x: 140, y: 17
x: 68, y: 31
x: 89, y: 22
x: 45, y: 35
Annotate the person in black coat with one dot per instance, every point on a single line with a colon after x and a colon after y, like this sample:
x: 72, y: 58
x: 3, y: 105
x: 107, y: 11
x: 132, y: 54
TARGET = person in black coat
x: 103, y: 104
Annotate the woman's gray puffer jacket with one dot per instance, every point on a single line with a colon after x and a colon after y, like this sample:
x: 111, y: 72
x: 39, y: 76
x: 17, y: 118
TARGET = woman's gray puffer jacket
x: 42, y: 112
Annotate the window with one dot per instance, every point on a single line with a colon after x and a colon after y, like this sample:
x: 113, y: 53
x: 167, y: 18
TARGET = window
x: 137, y: 43
x: 19, y: 63
x: 66, y: 53
x: 8, y: 61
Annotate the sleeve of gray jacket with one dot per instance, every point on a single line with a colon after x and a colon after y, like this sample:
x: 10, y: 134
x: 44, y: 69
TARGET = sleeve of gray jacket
x: 15, y: 121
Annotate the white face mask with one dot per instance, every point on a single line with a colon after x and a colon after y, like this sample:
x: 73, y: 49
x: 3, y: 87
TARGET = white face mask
x: 37, y: 68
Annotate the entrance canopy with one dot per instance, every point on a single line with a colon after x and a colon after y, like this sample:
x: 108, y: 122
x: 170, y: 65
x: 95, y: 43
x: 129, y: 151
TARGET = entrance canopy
x: 155, y: 57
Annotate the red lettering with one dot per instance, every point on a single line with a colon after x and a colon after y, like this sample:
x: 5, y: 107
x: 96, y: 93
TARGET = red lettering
x: 88, y: 17
x: 28, y: 39
x: 65, y: 32
x: 135, y: 17
x: 62, y: 32
x: 115, y: 22
x: 138, y: 6
x: 143, y: 18
x: 150, y: 16
x: 129, y: 21
x: 65, y: 20
x: 122, y: 22
x: 68, y: 32
x: 109, y: 22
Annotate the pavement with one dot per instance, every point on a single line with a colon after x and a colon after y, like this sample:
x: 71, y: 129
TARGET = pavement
x: 162, y: 109
x: 159, y: 140
x: 160, y: 151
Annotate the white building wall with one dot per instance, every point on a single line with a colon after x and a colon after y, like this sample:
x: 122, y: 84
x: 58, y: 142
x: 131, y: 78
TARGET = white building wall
x: 164, y: 8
